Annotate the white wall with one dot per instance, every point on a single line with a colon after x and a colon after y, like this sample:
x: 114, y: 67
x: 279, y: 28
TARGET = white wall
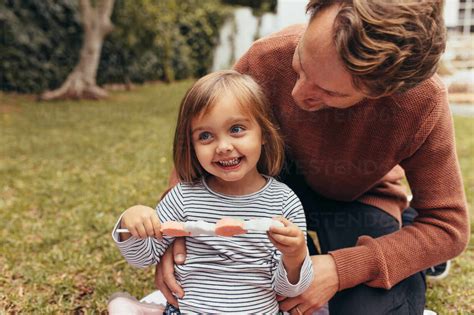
x: 451, y: 12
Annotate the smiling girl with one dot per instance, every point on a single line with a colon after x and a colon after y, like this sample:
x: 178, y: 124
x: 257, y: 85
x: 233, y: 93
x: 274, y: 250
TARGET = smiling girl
x: 226, y: 149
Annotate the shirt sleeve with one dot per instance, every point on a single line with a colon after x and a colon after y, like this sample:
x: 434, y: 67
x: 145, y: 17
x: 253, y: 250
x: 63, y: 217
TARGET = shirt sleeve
x: 142, y: 253
x: 293, y: 211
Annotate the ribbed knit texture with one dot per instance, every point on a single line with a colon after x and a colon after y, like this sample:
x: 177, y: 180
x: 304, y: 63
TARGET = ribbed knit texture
x: 362, y: 153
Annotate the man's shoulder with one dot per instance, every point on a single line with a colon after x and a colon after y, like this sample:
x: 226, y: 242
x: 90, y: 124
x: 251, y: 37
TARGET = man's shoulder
x: 281, y: 42
x: 432, y: 88
x: 427, y: 98
x: 286, y: 34
x: 269, y: 59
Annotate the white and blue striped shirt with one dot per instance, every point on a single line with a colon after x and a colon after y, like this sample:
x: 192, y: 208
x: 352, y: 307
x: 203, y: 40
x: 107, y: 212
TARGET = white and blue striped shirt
x: 240, y: 274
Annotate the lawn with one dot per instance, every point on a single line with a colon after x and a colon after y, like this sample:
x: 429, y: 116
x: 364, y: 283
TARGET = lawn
x: 68, y: 169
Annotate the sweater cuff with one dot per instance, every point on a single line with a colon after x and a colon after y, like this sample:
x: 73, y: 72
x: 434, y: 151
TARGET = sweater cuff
x: 355, y: 265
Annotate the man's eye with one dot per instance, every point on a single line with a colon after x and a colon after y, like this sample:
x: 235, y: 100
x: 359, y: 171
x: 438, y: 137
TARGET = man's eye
x: 203, y: 136
x: 237, y: 129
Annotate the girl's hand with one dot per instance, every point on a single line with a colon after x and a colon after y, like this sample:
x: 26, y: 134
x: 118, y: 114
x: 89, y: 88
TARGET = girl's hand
x: 141, y: 222
x: 292, y: 244
x: 288, y: 239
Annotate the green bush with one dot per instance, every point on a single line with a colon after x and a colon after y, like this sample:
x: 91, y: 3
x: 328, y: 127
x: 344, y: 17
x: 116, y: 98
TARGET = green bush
x: 39, y: 43
x: 151, y: 40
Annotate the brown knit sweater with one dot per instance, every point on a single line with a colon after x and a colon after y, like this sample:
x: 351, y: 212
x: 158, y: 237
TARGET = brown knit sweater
x: 362, y: 153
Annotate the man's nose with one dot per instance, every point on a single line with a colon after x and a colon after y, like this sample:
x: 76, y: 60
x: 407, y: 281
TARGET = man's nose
x: 302, y: 91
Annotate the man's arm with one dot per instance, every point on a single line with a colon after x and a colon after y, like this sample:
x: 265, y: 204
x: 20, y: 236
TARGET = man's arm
x: 440, y: 231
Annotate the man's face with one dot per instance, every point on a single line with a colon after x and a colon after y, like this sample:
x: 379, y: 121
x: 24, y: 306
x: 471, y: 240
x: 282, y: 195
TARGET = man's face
x: 322, y: 82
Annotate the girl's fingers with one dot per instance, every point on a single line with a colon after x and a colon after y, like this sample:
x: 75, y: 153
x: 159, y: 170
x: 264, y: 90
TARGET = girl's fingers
x: 292, y: 231
x: 283, y: 220
x: 133, y: 231
x: 156, y: 226
x: 281, y: 247
x: 288, y: 226
x: 284, y: 240
x: 148, y: 224
x: 141, y: 230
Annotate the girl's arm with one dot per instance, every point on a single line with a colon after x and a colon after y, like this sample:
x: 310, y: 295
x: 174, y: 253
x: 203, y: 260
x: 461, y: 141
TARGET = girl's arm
x: 294, y: 271
x: 291, y: 242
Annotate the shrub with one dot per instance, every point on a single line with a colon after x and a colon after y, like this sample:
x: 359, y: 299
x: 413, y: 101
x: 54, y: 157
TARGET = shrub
x: 152, y: 40
x: 39, y: 43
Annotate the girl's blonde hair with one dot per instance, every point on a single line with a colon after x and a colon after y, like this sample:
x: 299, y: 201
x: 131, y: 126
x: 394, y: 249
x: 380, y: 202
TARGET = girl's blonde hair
x: 199, y: 99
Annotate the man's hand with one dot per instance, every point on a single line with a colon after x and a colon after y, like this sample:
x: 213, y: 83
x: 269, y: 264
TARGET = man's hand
x: 323, y: 288
x: 165, y: 280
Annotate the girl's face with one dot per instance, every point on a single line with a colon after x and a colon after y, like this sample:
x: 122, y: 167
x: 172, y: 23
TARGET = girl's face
x: 228, y: 142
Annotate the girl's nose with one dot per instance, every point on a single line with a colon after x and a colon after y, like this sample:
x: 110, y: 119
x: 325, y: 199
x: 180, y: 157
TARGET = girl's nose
x: 224, y: 147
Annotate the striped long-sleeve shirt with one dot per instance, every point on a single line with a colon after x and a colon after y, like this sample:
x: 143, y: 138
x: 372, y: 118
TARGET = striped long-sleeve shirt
x: 240, y: 274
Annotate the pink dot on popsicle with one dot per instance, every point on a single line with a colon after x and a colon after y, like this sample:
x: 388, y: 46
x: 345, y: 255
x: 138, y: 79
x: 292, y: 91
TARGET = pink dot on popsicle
x: 230, y: 227
x: 173, y: 228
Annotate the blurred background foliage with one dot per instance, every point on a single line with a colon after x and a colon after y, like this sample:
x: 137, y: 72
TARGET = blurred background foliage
x: 152, y: 40
x: 39, y: 43
x: 259, y: 7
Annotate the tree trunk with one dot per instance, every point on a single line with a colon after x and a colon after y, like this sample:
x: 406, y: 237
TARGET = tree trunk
x: 81, y: 82
x: 259, y: 27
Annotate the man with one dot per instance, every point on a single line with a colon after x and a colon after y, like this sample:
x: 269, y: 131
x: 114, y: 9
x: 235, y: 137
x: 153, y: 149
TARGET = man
x: 360, y: 107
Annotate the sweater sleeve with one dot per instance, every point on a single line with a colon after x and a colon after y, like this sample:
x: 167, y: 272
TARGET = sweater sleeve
x: 142, y: 253
x: 441, y: 230
x: 293, y: 211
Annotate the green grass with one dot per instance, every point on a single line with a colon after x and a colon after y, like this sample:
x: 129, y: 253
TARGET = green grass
x: 68, y: 169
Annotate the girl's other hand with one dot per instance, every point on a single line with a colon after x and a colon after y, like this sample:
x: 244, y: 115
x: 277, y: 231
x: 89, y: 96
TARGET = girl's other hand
x: 141, y: 222
x: 292, y: 244
x: 289, y: 239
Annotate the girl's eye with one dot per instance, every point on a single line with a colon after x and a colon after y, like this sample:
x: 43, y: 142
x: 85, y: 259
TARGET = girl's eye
x: 237, y: 129
x: 203, y: 136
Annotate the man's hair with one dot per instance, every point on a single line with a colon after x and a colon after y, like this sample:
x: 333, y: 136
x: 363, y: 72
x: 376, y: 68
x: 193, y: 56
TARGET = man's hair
x: 198, y: 101
x: 388, y: 46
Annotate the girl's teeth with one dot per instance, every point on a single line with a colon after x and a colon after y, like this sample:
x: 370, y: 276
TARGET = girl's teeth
x: 230, y: 162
